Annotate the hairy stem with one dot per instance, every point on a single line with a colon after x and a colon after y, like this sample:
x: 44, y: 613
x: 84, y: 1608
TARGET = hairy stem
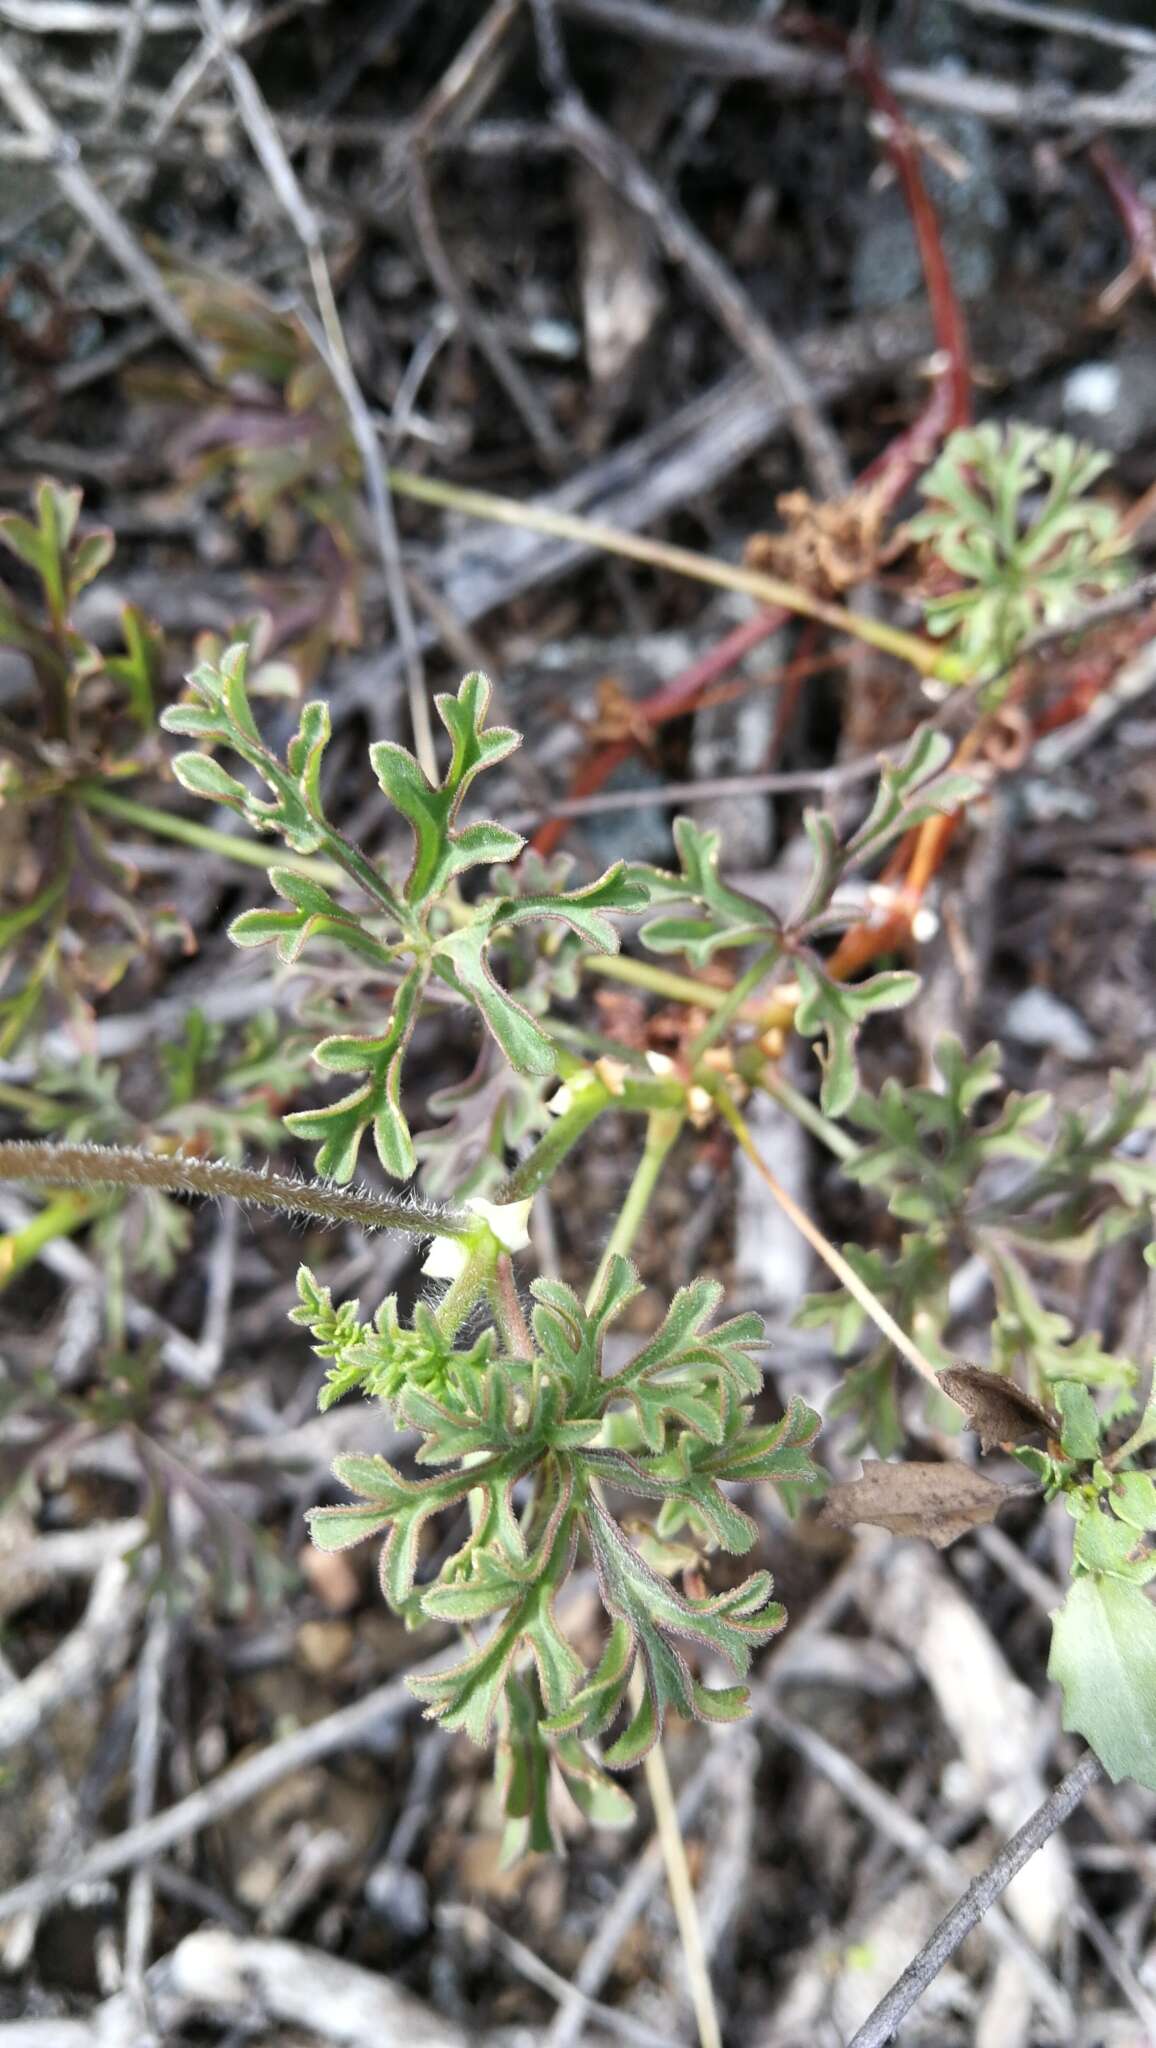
x: 463, y: 1294
x: 512, y: 1327
x: 107, y: 1166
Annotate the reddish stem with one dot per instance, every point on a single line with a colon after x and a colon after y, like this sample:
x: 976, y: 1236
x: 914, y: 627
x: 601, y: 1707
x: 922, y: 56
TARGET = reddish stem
x: 948, y: 407
x: 672, y: 701
x: 1139, y: 226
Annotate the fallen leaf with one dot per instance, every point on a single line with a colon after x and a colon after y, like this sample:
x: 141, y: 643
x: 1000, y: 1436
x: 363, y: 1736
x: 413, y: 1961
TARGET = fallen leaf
x: 999, y: 1411
x: 940, y: 1502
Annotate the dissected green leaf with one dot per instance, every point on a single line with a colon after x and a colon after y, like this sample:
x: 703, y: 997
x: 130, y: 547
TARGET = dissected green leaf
x: 338, y: 1127
x: 836, y: 1010
x: 729, y: 918
x: 462, y: 960
x: 219, y: 713
x: 660, y: 1619
x: 1008, y: 513
x: 441, y: 852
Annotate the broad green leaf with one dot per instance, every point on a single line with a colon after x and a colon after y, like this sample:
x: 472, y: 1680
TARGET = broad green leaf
x: 1103, y: 1658
x: 1132, y: 1496
x: 1109, y: 1547
x: 1080, y: 1433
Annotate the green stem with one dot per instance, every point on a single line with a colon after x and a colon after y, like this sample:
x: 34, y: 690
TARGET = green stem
x: 61, y: 1218
x: 637, y: 1095
x: 169, y: 825
x: 662, y: 1128
x: 26, y: 1101
x: 682, y: 988
x: 735, y: 997
x: 107, y: 1166
x: 562, y: 1135
x: 769, y: 590
x: 659, y: 981
x: 804, y: 1111
x: 503, y: 1292
x: 463, y: 1294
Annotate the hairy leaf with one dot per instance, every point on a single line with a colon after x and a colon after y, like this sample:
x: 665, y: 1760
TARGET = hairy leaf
x: 659, y: 1619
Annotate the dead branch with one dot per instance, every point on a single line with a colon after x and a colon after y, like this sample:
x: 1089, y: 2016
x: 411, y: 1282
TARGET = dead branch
x: 978, y: 1900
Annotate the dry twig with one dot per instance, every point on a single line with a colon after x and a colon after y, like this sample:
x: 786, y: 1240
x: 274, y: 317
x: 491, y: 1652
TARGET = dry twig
x: 614, y: 160
x: 978, y: 1904
x: 893, y: 1821
x: 34, y: 118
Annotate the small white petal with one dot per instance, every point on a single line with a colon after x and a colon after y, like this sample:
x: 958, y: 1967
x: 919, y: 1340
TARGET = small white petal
x: 507, y: 1220
x: 445, y: 1259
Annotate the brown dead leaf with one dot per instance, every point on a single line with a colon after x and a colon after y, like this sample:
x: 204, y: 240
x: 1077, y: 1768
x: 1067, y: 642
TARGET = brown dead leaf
x: 939, y: 1502
x: 999, y: 1411
x: 617, y: 718
x: 828, y: 547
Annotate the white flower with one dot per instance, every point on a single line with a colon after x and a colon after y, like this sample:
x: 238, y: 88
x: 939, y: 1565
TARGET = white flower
x: 505, y: 1221
x: 508, y: 1220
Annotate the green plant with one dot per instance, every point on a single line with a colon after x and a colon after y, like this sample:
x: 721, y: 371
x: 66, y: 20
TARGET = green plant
x: 532, y: 1440
x: 933, y: 1155
x: 532, y: 1454
x: 275, y: 433
x: 1009, y: 515
x: 69, y: 926
x: 206, y: 1091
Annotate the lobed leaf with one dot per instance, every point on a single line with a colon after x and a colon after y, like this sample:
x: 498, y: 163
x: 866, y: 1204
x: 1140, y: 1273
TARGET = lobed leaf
x: 430, y: 809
